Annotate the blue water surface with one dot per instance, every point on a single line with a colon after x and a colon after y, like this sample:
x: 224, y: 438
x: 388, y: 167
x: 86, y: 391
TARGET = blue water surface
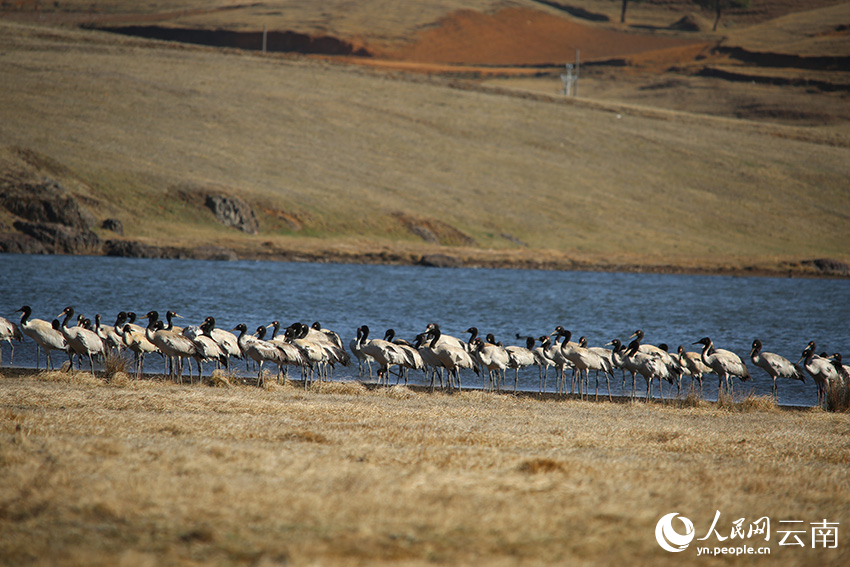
x: 783, y: 313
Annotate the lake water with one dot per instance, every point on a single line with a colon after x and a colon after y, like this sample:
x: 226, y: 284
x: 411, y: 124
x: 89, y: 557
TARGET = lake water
x: 674, y: 309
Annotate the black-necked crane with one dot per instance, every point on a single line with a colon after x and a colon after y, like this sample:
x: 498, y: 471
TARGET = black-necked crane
x: 354, y: 347
x: 385, y: 353
x: 332, y: 336
x: 131, y: 320
x: 492, y: 357
x: 258, y: 350
x: 83, y: 342
x: 520, y: 357
x: 842, y: 369
x: 8, y: 332
x: 620, y: 360
x: 473, y: 334
x: 327, y: 341
x: 291, y: 354
x: 432, y: 363
x: 555, y: 352
x: 225, y: 339
x: 725, y: 363
x: 692, y: 364
x: 660, y: 351
x: 312, y: 346
x: 412, y: 358
x: 44, y: 335
x: 820, y: 369
x: 491, y: 339
x: 134, y: 338
x: 577, y: 357
x: 110, y: 338
x: 331, y: 343
x: 450, y: 355
x: 171, y: 327
x: 650, y: 366
x: 207, y: 349
x: 434, y: 328
x: 674, y: 367
x: 599, y: 360
x: 172, y: 344
x: 543, y: 360
x: 775, y: 365
x: 139, y: 344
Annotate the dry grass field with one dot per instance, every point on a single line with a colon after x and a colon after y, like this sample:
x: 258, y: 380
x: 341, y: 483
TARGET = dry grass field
x: 152, y: 473
x: 647, y: 168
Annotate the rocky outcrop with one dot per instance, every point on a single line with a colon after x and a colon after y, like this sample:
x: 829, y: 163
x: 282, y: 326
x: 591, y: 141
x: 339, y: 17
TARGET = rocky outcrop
x: 15, y: 243
x: 828, y: 266
x: 233, y: 212
x: 51, y: 220
x: 133, y: 249
x: 434, y: 231
x: 60, y: 239
x: 45, y: 202
x: 113, y: 225
x: 130, y: 249
x: 440, y: 261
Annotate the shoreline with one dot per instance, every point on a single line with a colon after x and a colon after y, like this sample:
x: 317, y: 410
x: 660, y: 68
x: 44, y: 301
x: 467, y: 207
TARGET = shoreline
x: 444, y: 257
x: 18, y: 372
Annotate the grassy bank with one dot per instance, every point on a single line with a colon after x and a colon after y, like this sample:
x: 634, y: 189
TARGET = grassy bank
x: 150, y: 473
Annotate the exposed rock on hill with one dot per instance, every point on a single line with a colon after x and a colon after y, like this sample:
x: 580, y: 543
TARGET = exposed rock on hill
x: 233, y: 212
x: 60, y: 239
x: 133, y: 249
x: 828, y: 266
x: 45, y: 202
x: 440, y: 261
x: 434, y: 231
x: 15, y: 243
x: 114, y: 225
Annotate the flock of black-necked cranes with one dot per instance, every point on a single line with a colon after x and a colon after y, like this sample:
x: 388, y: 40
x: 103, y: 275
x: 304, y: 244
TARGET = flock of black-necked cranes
x: 316, y: 351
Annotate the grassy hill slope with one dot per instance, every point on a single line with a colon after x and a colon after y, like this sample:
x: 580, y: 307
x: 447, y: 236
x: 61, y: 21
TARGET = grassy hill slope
x: 360, y: 159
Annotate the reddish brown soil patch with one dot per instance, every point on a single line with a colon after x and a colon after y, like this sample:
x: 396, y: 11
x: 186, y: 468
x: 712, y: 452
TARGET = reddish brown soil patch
x: 521, y: 36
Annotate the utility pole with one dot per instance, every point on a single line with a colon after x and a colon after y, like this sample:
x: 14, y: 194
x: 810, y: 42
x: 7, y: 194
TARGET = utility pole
x: 575, y: 89
x: 570, y: 78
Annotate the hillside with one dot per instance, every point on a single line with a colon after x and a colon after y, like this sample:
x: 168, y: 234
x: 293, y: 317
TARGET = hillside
x: 663, y: 162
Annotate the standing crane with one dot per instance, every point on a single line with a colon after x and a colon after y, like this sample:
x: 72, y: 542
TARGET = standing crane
x: 520, y: 357
x: 821, y: 370
x: 775, y: 365
x: 725, y: 363
x: 44, y: 335
x: 8, y: 332
x: 84, y: 343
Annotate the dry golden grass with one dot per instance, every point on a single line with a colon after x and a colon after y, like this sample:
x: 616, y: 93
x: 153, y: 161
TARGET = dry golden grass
x: 150, y: 473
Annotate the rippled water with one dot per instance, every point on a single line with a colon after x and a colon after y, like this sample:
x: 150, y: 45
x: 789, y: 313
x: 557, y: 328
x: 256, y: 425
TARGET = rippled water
x: 784, y: 313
